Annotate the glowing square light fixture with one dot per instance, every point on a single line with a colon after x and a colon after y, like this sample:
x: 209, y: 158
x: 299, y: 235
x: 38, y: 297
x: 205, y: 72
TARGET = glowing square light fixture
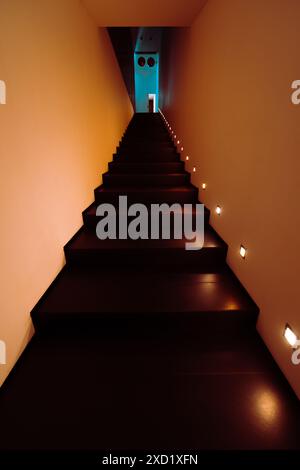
x: 175, y: 136
x: 290, y: 336
x: 178, y: 141
x: 203, y: 185
x: 187, y: 158
x: 243, y: 251
x: 194, y: 169
x: 218, y: 210
x: 181, y: 149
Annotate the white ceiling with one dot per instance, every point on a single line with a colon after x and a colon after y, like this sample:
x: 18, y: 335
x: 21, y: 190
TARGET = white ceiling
x: 144, y: 12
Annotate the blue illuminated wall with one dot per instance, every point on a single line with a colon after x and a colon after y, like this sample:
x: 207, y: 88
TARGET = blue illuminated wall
x: 146, y: 81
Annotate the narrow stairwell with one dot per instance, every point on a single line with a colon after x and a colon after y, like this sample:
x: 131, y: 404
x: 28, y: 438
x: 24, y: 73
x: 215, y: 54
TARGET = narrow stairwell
x: 141, y: 344
x: 152, y: 276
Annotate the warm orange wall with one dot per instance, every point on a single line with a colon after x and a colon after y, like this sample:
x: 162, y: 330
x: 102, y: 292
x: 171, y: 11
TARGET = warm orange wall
x: 66, y: 110
x: 229, y: 101
x: 144, y: 12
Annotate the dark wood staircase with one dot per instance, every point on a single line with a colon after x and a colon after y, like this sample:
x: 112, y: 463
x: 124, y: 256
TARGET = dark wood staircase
x: 143, y: 345
x: 146, y: 280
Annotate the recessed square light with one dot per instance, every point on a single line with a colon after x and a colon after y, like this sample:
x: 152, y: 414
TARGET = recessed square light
x: 203, y: 185
x: 194, y: 169
x: 243, y: 251
x: 290, y: 336
x: 218, y: 210
x: 187, y: 158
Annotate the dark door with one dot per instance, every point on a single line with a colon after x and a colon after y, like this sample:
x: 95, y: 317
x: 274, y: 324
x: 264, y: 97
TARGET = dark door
x: 151, y: 105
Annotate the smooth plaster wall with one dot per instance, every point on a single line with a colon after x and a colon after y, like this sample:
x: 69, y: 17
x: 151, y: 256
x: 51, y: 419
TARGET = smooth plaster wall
x: 226, y: 89
x: 66, y: 110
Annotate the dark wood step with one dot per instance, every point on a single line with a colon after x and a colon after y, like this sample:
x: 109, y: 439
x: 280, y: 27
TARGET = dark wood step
x: 151, y: 146
x: 129, y: 302
x: 90, y: 219
x: 145, y: 167
x: 167, y: 155
x: 164, y: 179
x: 145, y: 135
x: 149, y: 195
x: 86, y: 249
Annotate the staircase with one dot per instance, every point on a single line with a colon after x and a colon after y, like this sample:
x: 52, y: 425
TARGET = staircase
x: 143, y: 345
x: 145, y: 281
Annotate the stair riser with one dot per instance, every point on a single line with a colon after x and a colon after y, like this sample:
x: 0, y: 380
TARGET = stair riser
x: 149, y: 136
x: 231, y: 325
x: 157, y: 197
x: 146, y: 137
x: 91, y: 220
x: 151, y: 146
x: 146, y: 140
x: 166, y: 156
x: 146, y: 125
x: 152, y: 168
x: 145, y: 180
x: 144, y: 128
x: 134, y: 137
x: 206, y: 260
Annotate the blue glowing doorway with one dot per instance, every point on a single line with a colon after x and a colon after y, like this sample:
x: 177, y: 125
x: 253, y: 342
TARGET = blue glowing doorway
x: 146, y: 76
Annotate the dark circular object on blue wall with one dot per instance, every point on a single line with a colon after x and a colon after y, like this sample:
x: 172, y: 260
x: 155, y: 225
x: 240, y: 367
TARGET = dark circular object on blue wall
x: 151, y: 62
x: 141, y: 61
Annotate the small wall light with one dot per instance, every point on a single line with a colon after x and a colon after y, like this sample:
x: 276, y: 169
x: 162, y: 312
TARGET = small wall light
x: 175, y: 136
x: 194, y: 169
x: 204, y: 186
x: 2, y: 92
x: 218, y: 210
x: 187, y: 158
x: 178, y: 141
x: 243, y: 251
x: 290, y: 336
x: 181, y: 149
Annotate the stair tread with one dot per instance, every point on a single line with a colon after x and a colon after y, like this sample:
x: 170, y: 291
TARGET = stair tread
x: 91, y: 210
x: 86, y: 239
x: 156, y: 163
x: 146, y: 167
x: 147, y: 156
x: 147, y: 189
x: 95, y: 290
x: 136, y: 175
